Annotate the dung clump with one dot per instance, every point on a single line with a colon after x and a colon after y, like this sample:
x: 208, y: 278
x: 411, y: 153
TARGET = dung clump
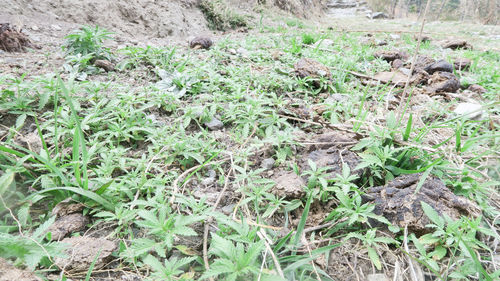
x: 12, y: 39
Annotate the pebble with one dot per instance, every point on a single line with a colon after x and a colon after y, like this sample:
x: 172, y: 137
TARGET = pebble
x: 232, y: 51
x: 267, y: 163
x: 395, y: 36
x: 214, y: 124
x: 35, y: 28
x: 471, y: 110
x: 56, y: 27
x: 228, y: 209
x: 208, y: 181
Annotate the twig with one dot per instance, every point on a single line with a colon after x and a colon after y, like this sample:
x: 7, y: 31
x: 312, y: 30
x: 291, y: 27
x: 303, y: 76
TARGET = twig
x: 306, y: 243
x: 210, y: 220
x: 417, y: 49
x: 264, y: 237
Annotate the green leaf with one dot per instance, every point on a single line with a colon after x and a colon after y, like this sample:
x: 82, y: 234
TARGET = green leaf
x: 85, y: 193
x: 372, y: 253
x: 302, y: 223
x: 432, y: 214
x: 407, y: 132
x: 20, y: 121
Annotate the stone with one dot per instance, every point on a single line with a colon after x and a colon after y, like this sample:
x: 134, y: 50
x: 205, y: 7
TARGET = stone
x: 424, y: 38
x: 470, y: 110
x: 35, y: 28
x: 66, y: 207
x: 395, y: 36
x: 397, y: 78
x: 267, y: 163
x: 477, y: 89
x: 289, y: 185
x: 462, y: 64
x: 443, y: 82
x: 379, y: 15
x: 310, y: 68
x: 423, y: 62
x: 214, y: 124
x: 82, y: 251
x: 228, y: 209
x: 105, y: 64
x: 440, y: 65
x: 377, y: 277
x: 67, y: 224
x: 232, y: 51
x: 324, y: 43
x: 390, y: 56
x: 455, y: 44
x: 201, y: 42
x: 397, y: 64
x: 398, y: 202
x: 56, y: 27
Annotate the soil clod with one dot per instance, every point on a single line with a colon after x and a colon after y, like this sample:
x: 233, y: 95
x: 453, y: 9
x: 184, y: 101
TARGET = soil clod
x: 399, y: 202
x: 455, y: 44
x: 390, y: 56
x: 201, y: 43
x: 443, y: 82
x: 462, y: 64
x: 82, y: 251
x: 12, y: 40
x: 105, y: 64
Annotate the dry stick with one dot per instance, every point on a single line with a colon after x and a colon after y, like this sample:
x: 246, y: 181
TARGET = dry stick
x: 209, y: 221
x: 417, y: 49
x: 264, y: 237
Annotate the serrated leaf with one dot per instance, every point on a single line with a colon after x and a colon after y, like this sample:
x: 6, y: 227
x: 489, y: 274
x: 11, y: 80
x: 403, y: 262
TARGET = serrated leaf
x: 372, y: 253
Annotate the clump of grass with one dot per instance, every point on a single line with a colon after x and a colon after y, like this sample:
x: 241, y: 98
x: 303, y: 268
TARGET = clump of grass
x: 220, y: 16
x: 88, y: 41
x: 309, y: 39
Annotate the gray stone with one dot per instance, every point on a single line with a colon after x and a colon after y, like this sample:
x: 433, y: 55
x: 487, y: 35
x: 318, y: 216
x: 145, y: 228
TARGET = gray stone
x: 56, y: 27
x: 214, y: 124
x: 379, y: 15
x: 267, y: 163
x: 377, y: 277
x: 208, y: 181
x: 228, y: 209
x: 471, y: 110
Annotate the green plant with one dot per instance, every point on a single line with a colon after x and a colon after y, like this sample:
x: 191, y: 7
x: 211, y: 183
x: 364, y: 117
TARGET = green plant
x: 371, y: 242
x: 220, y: 16
x: 88, y: 41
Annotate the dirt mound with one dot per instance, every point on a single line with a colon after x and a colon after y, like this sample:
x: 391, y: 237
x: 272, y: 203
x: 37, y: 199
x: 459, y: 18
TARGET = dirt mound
x: 136, y: 18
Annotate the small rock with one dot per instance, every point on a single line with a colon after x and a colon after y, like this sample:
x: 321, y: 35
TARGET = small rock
x: 395, y: 36
x: 214, y: 124
x: 228, y: 209
x: 390, y: 56
x: 267, y: 163
x: 325, y: 43
x: 289, y: 185
x: 424, y: 38
x: 201, y: 43
x: 440, y: 65
x: 336, y: 98
x: 477, y: 89
x: 471, y: 110
x: 380, y: 42
x: 310, y: 68
x: 208, y: 181
x: 462, y: 64
x: 457, y: 44
x: 67, y: 207
x: 105, y: 64
x: 379, y: 15
x: 67, y: 224
x: 82, y: 252
x: 397, y: 64
x: 232, y: 51
x: 35, y: 28
x: 56, y: 27
x: 377, y: 277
